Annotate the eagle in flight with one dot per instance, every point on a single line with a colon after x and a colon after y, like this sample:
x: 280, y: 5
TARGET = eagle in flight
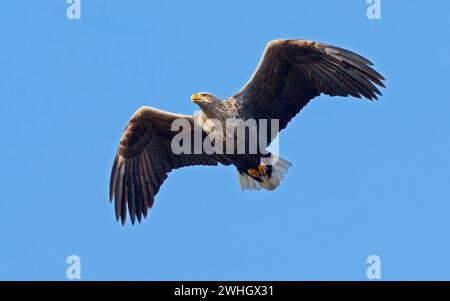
x: 289, y: 75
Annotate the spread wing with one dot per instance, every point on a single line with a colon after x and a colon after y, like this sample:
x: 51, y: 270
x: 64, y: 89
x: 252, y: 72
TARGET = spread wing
x: 143, y: 160
x: 292, y: 72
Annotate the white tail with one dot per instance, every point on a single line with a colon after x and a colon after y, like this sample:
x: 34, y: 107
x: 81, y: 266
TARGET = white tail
x: 279, y: 169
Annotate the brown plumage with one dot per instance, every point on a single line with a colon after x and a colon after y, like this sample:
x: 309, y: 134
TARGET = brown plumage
x: 293, y: 72
x: 290, y: 74
x: 143, y: 160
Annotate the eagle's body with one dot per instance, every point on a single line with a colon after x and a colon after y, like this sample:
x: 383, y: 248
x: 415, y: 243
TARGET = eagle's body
x: 290, y: 74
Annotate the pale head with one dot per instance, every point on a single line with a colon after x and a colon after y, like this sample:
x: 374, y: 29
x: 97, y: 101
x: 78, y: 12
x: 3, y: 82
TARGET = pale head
x: 210, y: 105
x: 204, y: 98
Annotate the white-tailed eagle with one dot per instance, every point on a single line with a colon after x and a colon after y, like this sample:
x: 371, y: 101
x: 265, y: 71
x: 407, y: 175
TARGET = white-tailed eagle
x: 289, y: 75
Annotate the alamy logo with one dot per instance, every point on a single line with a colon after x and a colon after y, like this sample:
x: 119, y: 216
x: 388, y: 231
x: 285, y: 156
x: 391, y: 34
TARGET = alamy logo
x: 73, y: 11
x: 73, y: 271
x: 231, y: 137
x: 374, y: 9
x: 374, y: 269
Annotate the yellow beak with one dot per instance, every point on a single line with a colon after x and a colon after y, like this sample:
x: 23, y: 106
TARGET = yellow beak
x: 196, y: 98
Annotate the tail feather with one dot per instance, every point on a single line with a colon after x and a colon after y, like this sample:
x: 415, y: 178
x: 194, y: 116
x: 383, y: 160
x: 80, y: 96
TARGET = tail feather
x: 248, y: 183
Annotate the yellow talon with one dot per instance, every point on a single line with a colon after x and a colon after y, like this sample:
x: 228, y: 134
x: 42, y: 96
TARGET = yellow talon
x: 262, y: 169
x: 258, y: 172
x: 253, y: 172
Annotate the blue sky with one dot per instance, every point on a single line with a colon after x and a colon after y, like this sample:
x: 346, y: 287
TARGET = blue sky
x: 368, y: 178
